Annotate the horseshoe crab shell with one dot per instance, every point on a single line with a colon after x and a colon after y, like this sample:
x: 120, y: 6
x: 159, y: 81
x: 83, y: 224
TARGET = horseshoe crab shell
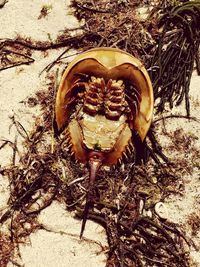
x: 104, y: 96
x: 109, y: 63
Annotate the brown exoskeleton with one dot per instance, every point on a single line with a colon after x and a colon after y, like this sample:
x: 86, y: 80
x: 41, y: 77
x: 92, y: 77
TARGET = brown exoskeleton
x: 104, y: 96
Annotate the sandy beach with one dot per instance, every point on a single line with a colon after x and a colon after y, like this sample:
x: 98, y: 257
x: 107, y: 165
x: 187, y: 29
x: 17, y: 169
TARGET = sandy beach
x: 58, y: 243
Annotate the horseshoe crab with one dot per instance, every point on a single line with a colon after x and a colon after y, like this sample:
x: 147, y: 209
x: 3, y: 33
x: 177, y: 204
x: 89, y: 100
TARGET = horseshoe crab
x: 105, y: 95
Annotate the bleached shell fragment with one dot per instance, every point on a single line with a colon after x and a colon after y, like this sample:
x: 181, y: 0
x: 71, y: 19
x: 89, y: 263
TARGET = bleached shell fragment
x: 141, y: 206
x: 161, y: 210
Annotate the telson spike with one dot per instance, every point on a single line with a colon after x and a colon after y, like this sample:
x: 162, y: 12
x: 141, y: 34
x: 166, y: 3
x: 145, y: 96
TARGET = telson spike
x: 95, y: 162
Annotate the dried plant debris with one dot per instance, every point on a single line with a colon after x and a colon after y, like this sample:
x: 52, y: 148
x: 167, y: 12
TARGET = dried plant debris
x: 46, y: 9
x: 124, y: 197
x: 177, y: 49
x: 123, y: 203
x: 194, y: 221
x: 6, y: 249
x: 13, y: 55
x: 113, y: 24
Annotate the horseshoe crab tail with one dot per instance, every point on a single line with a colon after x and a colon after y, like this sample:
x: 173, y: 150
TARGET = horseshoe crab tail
x: 95, y: 162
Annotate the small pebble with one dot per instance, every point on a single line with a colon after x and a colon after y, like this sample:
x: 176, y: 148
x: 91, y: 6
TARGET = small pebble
x: 11, y: 113
x: 161, y: 210
x: 149, y: 213
x: 141, y: 206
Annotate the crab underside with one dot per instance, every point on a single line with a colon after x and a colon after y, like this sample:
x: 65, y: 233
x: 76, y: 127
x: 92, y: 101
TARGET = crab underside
x: 104, y: 99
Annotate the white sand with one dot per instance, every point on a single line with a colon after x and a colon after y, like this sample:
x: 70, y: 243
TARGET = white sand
x: 60, y: 245
x: 21, y: 18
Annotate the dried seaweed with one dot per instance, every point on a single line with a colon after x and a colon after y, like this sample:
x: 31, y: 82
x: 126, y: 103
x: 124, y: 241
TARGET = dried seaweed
x: 10, y: 58
x: 134, y: 240
x: 172, y: 64
x: 42, y: 176
x: 6, y: 247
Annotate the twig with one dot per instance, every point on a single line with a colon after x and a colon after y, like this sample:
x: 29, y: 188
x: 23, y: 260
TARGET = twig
x: 49, y: 66
x: 5, y: 142
x: 176, y: 116
x: 8, y: 51
x: 84, y: 7
x: 16, y: 65
x: 14, y: 151
x: 76, y: 181
x: 41, y: 46
x: 16, y: 264
x: 20, y: 128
